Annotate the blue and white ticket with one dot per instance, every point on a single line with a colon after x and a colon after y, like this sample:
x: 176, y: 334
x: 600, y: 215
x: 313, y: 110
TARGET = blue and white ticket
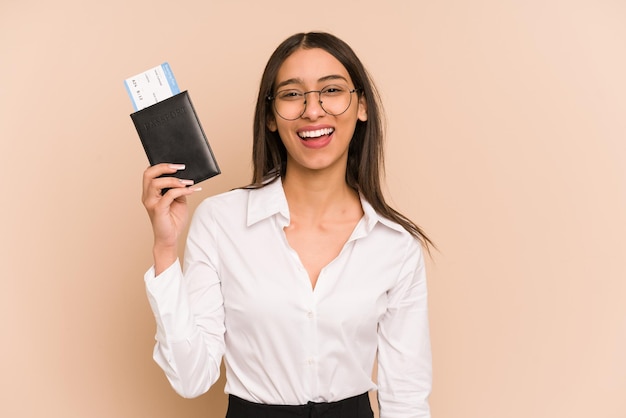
x: 151, y: 86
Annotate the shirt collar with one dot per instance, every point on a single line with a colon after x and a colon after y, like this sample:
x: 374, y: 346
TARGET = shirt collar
x: 270, y: 200
x: 267, y: 201
x: 371, y: 218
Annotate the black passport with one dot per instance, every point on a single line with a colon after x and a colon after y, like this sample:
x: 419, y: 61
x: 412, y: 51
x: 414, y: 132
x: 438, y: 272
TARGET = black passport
x: 170, y: 132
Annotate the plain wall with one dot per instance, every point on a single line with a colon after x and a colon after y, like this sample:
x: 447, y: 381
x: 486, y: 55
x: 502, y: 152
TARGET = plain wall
x: 507, y: 144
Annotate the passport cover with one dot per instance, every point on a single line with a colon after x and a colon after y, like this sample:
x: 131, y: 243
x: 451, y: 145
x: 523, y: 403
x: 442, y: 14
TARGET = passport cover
x: 170, y: 132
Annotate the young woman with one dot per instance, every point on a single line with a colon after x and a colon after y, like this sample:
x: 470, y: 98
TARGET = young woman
x: 302, y: 279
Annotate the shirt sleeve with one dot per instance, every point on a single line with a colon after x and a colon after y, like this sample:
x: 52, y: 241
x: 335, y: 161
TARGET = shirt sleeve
x: 189, y: 314
x: 404, y: 353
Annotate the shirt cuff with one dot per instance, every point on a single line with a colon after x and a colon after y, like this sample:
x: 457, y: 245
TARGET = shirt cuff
x: 169, y: 303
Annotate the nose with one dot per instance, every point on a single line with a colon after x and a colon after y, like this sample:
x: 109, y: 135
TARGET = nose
x: 313, y: 106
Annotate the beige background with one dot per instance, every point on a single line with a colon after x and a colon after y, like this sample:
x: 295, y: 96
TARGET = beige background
x: 507, y: 143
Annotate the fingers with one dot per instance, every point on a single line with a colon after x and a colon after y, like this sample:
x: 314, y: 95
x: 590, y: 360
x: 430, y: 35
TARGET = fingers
x: 153, y: 185
x: 151, y: 176
x: 163, y: 168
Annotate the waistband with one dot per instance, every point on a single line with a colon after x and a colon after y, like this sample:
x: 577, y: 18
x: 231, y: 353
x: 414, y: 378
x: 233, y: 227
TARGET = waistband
x: 354, y: 407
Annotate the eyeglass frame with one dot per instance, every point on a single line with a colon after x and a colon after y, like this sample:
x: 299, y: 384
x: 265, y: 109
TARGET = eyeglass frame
x: 319, y: 97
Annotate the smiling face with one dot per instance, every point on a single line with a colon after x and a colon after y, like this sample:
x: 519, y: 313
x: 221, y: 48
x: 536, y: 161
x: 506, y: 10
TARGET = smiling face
x: 316, y: 140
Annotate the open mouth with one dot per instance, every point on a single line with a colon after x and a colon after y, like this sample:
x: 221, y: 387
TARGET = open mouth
x: 306, y: 135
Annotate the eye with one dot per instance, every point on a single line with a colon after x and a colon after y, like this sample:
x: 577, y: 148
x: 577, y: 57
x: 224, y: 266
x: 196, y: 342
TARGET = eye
x: 333, y: 90
x: 289, y: 95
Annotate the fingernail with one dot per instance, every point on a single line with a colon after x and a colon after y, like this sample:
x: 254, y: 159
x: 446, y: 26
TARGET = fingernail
x: 177, y: 166
x: 186, y: 182
x: 197, y: 189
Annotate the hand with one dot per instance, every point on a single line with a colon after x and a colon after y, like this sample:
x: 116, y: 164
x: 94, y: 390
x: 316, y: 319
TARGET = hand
x: 168, y: 212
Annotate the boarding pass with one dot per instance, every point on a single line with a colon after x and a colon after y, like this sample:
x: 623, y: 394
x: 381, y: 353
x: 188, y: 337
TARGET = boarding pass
x: 151, y: 86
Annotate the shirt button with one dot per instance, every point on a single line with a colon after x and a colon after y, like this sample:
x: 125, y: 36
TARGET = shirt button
x: 309, y: 315
x: 310, y: 361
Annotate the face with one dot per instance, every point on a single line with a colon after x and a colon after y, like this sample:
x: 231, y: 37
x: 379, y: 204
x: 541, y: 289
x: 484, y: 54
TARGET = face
x: 316, y: 140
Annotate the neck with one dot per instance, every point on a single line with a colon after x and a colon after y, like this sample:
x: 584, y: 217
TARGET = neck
x: 314, y: 195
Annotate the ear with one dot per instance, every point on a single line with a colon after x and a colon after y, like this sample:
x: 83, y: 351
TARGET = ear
x: 271, y: 124
x: 362, y: 110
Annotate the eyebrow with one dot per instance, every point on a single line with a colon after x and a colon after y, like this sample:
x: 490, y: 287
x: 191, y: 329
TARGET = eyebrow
x: 300, y: 81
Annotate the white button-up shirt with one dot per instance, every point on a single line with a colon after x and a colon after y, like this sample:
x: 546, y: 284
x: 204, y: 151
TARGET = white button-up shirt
x: 245, y: 296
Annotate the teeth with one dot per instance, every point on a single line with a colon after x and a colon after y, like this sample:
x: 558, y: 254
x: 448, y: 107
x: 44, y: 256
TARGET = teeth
x: 317, y: 133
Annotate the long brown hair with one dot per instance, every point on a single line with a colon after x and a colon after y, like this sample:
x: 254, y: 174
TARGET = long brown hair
x: 365, y: 154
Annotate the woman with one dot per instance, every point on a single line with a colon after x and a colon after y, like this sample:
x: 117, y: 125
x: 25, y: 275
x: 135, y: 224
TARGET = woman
x: 302, y: 279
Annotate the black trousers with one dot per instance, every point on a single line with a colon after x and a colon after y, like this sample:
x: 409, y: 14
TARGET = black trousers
x: 355, y: 407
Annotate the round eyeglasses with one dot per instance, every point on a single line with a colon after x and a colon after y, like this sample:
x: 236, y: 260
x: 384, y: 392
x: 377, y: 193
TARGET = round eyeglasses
x: 290, y: 104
